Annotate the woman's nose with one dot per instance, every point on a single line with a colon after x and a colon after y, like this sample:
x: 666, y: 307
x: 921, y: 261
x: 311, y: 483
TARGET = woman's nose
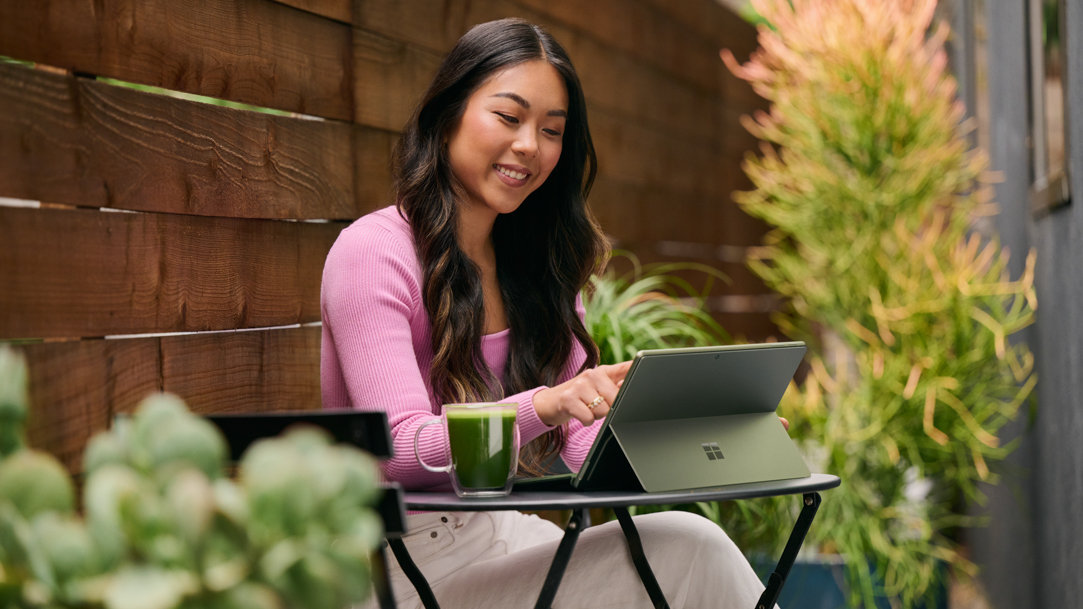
x: 526, y: 143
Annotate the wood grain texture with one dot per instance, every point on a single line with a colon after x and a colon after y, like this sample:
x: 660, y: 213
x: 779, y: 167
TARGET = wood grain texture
x: 83, y: 142
x: 709, y: 20
x: 390, y: 77
x: 641, y: 30
x: 619, y: 85
x: 77, y: 387
x: 631, y: 152
x: 420, y: 23
x: 338, y: 10
x: 252, y: 51
x: 256, y: 371
x: 632, y: 211
x: 373, y: 171
x: 84, y: 273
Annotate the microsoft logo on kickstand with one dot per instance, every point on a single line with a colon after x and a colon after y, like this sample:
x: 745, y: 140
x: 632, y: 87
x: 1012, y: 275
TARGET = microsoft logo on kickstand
x: 713, y: 450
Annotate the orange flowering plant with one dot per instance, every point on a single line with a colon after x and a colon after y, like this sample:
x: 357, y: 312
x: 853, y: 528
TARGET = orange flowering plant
x: 875, y: 199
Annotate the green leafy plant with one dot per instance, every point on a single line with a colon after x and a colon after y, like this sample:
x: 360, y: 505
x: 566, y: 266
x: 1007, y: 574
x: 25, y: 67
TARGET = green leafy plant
x: 162, y: 528
x: 650, y: 307
x: 873, y: 194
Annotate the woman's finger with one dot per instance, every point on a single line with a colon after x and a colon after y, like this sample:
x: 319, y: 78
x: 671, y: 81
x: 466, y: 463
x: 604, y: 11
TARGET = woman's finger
x: 616, y: 372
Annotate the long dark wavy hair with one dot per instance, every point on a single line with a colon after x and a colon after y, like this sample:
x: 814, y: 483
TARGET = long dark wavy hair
x: 546, y: 249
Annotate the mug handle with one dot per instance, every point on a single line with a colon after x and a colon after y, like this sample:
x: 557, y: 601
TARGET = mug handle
x: 417, y: 450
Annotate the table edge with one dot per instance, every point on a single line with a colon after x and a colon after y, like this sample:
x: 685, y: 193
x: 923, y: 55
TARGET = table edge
x: 559, y: 500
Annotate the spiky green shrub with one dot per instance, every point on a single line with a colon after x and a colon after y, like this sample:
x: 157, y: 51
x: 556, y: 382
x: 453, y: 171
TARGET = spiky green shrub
x: 650, y: 307
x: 871, y: 190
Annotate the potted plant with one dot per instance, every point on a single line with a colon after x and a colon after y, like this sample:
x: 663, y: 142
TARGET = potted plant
x: 650, y: 307
x: 160, y: 527
x: 874, y: 200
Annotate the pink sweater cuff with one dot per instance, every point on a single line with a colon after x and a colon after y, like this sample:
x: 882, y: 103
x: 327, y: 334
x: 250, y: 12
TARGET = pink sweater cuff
x: 530, y: 426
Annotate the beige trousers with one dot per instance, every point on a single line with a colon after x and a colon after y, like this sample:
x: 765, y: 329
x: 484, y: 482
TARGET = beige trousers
x: 479, y: 560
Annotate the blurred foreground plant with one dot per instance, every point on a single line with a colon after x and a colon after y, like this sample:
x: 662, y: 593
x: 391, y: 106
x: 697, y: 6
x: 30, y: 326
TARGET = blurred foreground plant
x: 871, y: 191
x: 163, y: 529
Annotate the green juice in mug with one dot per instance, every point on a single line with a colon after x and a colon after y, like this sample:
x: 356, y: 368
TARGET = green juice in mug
x: 483, y: 450
x: 483, y: 447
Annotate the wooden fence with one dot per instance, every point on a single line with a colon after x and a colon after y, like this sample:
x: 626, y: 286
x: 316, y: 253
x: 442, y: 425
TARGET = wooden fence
x: 155, y: 242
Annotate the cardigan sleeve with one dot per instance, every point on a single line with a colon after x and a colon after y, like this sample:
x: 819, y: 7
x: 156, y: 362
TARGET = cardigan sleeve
x: 369, y: 303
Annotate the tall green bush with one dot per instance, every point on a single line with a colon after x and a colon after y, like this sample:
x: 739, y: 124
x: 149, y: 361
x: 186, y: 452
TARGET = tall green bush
x: 872, y: 193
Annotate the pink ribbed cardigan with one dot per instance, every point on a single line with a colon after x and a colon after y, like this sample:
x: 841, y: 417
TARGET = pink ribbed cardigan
x: 376, y: 349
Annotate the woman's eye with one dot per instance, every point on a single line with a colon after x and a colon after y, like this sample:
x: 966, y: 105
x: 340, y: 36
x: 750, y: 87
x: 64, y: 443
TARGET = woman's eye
x: 552, y: 132
x: 507, y: 117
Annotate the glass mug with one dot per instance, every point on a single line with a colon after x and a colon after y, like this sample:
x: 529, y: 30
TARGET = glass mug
x: 483, y: 447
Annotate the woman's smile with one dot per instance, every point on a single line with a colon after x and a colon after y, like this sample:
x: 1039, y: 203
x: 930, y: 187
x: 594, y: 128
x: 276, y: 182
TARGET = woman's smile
x: 515, y: 177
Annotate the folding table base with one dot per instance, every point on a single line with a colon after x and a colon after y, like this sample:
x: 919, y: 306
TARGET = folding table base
x: 580, y: 519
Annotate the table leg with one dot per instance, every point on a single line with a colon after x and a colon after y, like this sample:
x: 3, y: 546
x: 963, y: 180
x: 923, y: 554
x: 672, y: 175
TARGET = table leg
x: 789, y: 554
x: 381, y: 580
x: 416, y: 577
x: 639, y: 559
x: 579, y: 520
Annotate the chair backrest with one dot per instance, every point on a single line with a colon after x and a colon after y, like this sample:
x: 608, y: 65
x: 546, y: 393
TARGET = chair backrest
x: 368, y: 431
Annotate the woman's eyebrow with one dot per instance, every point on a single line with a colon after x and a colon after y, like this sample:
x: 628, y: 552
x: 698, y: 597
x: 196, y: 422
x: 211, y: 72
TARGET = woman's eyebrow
x: 515, y: 97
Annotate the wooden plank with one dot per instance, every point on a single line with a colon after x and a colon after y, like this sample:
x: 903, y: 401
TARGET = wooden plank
x: 76, y: 388
x: 390, y: 78
x: 420, y: 23
x: 83, y: 273
x: 617, y: 83
x: 749, y: 327
x: 640, y: 212
x: 635, y: 153
x: 643, y: 31
x: 712, y: 21
x: 373, y: 171
x: 333, y: 9
x: 258, y: 371
x: 250, y: 51
x: 83, y: 142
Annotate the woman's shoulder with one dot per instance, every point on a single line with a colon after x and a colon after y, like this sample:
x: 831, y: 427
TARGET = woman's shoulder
x: 382, y: 231
x: 382, y: 224
x: 373, y: 242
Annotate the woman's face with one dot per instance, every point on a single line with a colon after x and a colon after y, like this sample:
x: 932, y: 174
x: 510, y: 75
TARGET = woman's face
x: 510, y: 135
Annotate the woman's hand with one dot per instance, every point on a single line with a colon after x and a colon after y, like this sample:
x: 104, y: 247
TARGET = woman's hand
x: 587, y: 396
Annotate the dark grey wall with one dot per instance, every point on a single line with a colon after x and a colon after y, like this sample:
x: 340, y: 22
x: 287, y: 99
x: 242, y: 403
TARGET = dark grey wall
x: 1031, y: 552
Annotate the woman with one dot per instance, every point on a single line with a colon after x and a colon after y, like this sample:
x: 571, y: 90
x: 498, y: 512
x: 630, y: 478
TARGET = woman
x: 468, y: 290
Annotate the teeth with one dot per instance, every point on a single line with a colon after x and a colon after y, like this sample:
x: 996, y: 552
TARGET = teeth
x: 511, y: 174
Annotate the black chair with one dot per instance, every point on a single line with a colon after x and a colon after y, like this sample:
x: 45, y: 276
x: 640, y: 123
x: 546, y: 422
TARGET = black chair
x: 368, y: 431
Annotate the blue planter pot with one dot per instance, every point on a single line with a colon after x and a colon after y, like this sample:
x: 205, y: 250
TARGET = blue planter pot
x: 819, y: 583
